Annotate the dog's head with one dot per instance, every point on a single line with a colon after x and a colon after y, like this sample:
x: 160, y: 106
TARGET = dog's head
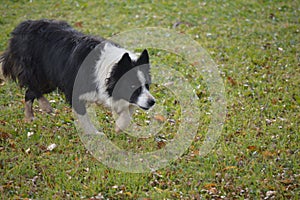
x: 130, y: 80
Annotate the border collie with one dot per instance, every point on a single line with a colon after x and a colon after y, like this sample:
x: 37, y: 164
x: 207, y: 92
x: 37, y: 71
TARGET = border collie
x: 47, y: 54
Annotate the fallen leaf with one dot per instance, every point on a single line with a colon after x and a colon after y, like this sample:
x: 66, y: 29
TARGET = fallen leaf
x: 286, y: 181
x: 270, y: 193
x: 231, y: 80
x: 85, y: 187
x: 128, y: 193
x: 51, y: 147
x: 209, y: 186
x: 4, y: 135
x: 272, y: 16
x: 251, y: 148
x: 42, y: 147
x: 99, y: 196
x: 120, y: 192
x: 12, y: 143
x: 229, y: 167
x: 27, y: 150
x: 160, y: 118
x: 158, y: 189
x: 195, y: 153
x: 29, y: 134
x: 78, y: 24
x: 161, y: 144
x: 268, y: 154
x: 274, y: 101
x: 213, y: 190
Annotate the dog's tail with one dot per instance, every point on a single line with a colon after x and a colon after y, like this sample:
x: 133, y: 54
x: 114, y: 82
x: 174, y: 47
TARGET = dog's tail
x: 12, y: 68
x: 9, y: 67
x: 13, y: 63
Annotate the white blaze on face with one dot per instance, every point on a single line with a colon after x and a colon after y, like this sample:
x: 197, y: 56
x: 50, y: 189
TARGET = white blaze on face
x: 145, y: 97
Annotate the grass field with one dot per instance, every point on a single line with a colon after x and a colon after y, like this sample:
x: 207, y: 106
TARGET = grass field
x: 256, y: 47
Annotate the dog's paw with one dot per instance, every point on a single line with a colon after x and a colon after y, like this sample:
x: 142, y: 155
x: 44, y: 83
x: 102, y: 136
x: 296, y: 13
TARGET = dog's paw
x: 45, y: 105
x: 99, y: 133
x: 47, y: 109
x: 117, y: 129
x: 29, y: 119
x: 29, y: 116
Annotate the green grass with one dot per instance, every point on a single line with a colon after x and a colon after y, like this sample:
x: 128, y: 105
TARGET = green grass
x: 256, y: 47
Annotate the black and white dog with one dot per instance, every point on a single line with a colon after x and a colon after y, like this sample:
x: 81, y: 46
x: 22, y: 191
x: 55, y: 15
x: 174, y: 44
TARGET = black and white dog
x: 47, y: 54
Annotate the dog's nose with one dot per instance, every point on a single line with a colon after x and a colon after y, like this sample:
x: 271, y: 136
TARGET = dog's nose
x: 151, y: 102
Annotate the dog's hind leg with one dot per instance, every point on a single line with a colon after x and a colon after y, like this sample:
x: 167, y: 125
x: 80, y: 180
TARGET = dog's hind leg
x: 44, y: 104
x: 29, y: 98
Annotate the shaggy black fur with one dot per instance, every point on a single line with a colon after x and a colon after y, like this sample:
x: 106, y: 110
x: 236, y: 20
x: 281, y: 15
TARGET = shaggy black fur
x: 46, y: 54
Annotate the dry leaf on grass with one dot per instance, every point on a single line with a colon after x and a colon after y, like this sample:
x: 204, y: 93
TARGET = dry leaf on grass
x: 160, y: 118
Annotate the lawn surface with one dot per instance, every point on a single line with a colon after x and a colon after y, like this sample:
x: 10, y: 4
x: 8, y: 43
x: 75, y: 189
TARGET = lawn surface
x: 256, y: 47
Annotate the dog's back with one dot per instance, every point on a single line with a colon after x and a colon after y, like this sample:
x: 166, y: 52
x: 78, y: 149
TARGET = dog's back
x: 20, y: 61
x: 45, y: 54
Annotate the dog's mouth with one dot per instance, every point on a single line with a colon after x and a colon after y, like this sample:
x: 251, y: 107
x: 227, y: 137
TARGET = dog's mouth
x: 144, y: 108
x: 150, y: 104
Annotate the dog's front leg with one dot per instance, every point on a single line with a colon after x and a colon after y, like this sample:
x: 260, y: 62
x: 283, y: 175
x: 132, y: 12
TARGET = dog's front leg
x: 124, y: 119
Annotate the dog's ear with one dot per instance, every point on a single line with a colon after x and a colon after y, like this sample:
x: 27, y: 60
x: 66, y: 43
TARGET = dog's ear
x: 125, y: 60
x: 118, y: 70
x: 144, y: 58
x: 123, y: 66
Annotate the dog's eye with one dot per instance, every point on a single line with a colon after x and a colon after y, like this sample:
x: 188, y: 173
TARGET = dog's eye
x: 147, y: 86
